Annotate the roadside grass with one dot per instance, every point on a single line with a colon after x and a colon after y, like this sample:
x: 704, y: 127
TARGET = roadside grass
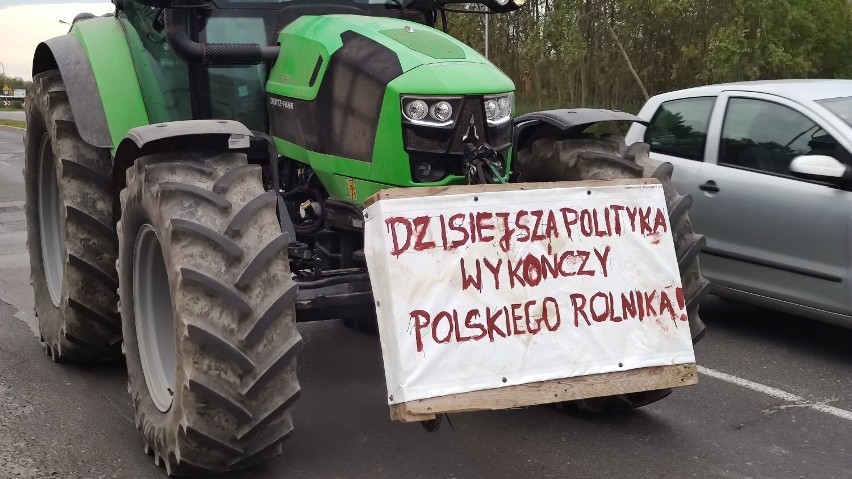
x: 13, y: 123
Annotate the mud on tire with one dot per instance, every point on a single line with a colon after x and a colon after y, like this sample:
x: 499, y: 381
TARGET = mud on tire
x: 231, y: 299
x: 69, y: 230
x: 608, y: 158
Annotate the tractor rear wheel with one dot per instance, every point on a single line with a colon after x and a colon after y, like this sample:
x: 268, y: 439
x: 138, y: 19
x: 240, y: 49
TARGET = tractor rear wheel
x: 69, y: 230
x: 208, y: 309
x: 608, y: 158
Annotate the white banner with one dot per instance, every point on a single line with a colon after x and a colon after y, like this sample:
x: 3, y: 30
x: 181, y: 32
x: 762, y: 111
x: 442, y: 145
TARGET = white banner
x: 493, y: 289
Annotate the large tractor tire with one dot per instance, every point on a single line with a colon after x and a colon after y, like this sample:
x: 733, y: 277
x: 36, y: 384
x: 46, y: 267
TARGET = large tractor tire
x: 208, y: 311
x: 608, y: 158
x: 69, y: 230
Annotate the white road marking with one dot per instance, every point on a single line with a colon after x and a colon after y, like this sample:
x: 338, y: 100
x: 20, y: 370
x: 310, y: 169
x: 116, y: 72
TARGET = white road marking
x: 798, y: 401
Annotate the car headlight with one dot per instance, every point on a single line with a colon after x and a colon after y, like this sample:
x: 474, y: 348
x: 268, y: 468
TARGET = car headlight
x: 499, y: 108
x: 429, y: 111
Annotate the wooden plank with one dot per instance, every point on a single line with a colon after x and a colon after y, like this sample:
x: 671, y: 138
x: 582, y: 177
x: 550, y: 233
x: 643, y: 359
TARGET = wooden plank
x: 557, y: 390
x: 417, y: 192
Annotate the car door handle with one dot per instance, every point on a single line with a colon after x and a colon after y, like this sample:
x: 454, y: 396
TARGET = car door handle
x: 709, y: 187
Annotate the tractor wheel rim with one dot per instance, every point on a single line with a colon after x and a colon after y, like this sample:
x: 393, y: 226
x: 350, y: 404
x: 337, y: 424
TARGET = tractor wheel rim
x: 50, y: 226
x: 154, y: 319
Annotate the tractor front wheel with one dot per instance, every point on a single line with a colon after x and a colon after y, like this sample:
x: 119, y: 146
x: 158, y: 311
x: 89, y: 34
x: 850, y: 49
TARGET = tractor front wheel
x: 208, y: 311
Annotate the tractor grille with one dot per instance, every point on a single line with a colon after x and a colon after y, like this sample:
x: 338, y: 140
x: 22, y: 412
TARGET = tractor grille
x: 450, y: 141
x: 447, y: 144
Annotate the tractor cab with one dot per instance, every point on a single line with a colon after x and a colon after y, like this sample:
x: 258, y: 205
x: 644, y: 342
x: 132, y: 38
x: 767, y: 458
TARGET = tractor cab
x: 183, y: 88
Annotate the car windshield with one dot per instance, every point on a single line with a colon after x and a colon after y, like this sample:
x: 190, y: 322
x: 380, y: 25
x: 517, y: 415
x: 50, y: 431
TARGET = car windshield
x: 841, y: 107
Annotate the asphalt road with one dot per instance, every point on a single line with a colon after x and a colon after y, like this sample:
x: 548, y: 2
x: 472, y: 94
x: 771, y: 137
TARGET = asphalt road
x: 774, y: 401
x: 12, y: 115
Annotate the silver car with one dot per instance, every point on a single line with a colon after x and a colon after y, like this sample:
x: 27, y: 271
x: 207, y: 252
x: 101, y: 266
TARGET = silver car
x: 769, y: 167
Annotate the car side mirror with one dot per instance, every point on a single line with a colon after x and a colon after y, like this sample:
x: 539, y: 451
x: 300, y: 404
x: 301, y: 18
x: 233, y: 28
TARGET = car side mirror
x: 821, y: 168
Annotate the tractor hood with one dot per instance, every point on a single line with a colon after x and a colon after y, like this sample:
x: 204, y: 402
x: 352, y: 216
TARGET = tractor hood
x: 336, y: 96
x: 414, y: 43
x: 426, y: 41
x: 382, y: 48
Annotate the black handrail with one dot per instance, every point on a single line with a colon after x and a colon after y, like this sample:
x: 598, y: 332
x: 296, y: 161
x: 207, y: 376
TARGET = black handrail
x: 177, y: 35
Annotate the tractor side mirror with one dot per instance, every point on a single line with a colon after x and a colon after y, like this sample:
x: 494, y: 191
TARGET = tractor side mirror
x: 152, y: 3
x: 503, y: 6
x: 495, y: 6
x: 168, y: 3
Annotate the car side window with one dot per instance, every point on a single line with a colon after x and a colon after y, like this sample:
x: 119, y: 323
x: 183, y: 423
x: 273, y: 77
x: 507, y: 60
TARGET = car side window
x: 765, y: 136
x: 679, y: 127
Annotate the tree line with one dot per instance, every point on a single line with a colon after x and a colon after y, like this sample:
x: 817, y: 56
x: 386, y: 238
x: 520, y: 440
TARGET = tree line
x: 609, y: 53
x: 612, y: 53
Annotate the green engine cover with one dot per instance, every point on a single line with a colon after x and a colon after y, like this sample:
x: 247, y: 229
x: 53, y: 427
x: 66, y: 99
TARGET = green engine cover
x: 336, y: 94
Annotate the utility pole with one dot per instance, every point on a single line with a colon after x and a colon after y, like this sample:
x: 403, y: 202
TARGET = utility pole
x: 486, y: 35
x: 5, y: 92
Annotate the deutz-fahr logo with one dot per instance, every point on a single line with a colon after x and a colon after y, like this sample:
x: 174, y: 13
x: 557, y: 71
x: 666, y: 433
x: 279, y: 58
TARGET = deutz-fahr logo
x: 281, y: 103
x: 471, y: 134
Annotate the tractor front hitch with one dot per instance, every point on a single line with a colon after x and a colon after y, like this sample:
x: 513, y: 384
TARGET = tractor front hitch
x: 346, y: 295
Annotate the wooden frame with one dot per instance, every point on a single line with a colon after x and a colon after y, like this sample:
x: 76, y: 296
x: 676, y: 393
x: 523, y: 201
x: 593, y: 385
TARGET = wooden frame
x: 396, y: 193
x: 557, y: 390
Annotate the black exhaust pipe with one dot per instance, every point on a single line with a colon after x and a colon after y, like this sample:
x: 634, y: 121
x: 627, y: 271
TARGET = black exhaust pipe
x: 211, y: 54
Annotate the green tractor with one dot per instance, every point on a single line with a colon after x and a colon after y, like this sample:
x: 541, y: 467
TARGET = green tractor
x: 195, y: 174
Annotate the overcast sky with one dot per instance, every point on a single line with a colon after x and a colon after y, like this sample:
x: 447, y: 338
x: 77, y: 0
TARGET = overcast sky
x: 23, y: 24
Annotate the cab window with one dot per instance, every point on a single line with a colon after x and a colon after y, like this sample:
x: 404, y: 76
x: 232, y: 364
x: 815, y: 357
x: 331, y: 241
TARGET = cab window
x: 164, y: 78
x: 765, y: 136
x: 238, y: 93
x: 679, y: 127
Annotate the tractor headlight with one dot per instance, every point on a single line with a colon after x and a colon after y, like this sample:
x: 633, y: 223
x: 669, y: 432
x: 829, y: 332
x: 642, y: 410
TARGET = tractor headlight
x: 427, y: 171
x: 498, y: 108
x: 491, y: 110
x: 441, y: 111
x: 416, y: 110
x: 429, y: 111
